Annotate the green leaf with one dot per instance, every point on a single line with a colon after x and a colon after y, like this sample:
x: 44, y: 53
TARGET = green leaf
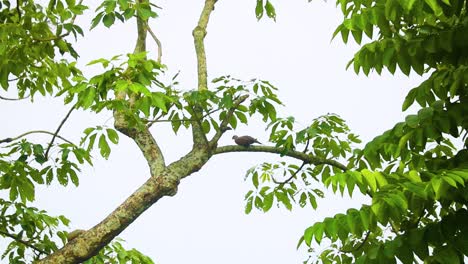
x: 248, y: 205
x: 412, y: 121
x: 112, y: 135
x: 108, y: 19
x: 284, y: 199
x: 319, y: 230
x: 158, y: 101
x: 255, y: 180
x: 312, y: 200
x: 407, y: 4
x: 447, y: 255
x: 242, y: 117
x: 259, y: 9
x: 268, y: 202
x: 104, y: 147
x: 435, y: 7
x: 370, y: 178
x: 414, y: 176
x: 270, y: 10
x: 88, y: 98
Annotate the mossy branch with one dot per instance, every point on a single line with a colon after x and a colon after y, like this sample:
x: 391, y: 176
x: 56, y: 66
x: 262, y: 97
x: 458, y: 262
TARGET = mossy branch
x: 199, y: 33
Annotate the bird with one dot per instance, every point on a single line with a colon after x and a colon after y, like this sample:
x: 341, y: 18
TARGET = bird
x: 245, y: 141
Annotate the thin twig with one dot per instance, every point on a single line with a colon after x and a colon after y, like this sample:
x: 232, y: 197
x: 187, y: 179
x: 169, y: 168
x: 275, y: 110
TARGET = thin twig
x: 298, y: 169
x: 157, y: 120
x: 13, y: 99
x: 26, y: 243
x: 290, y: 177
x: 158, y: 43
x: 6, y: 140
x: 58, y: 130
x: 18, y: 10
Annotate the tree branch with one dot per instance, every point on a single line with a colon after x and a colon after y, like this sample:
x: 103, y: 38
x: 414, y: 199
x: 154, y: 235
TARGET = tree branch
x: 88, y: 243
x: 13, y: 99
x: 223, y: 126
x: 158, y: 43
x: 26, y: 243
x: 46, y: 155
x: 199, y: 33
x: 309, y: 158
x: 290, y: 177
x: 18, y: 9
x: 157, y: 120
x: 142, y: 137
x: 298, y: 169
x: 6, y: 140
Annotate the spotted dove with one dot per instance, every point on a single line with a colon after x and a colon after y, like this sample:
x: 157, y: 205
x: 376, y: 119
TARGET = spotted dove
x: 245, y: 140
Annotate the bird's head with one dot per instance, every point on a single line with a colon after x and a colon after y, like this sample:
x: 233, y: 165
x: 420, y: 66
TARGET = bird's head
x: 234, y: 137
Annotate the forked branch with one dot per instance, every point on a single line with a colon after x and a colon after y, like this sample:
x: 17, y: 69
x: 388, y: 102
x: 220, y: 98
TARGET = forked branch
x: 223, y: 126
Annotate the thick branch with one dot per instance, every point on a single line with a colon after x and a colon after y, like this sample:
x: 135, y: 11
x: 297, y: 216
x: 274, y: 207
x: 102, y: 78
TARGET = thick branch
x: 143, y: 137
x: 199, y: 34
x: 161, y: 184
x: 26, y: 243
x: 310, y: 159
x: 91, y: 241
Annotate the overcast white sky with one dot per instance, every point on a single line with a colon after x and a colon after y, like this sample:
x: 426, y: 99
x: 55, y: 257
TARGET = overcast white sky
x: 205, y: 221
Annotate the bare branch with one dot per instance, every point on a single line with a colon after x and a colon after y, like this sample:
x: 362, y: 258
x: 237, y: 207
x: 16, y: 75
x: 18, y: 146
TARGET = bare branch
x: 158, y: 43
x: 157, y: 120
x: 18, y: 9
x: 6, y: 140
x: 13, y: 99
x: 26, y: 243
x: 309, y: 158
x: 46, y: 155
